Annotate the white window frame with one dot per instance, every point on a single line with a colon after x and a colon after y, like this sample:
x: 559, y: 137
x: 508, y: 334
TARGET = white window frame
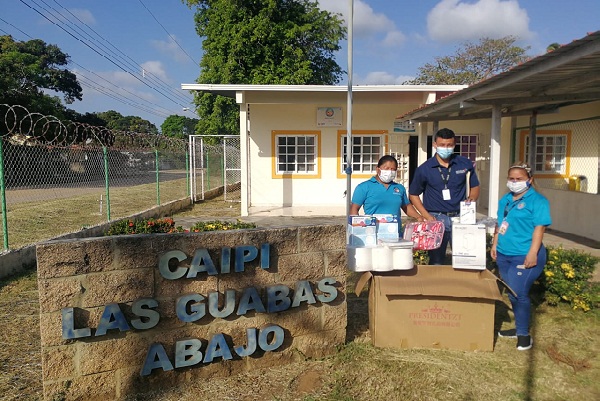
x: 551, y: 157
x: 365, y: 161
x: 302, y: 156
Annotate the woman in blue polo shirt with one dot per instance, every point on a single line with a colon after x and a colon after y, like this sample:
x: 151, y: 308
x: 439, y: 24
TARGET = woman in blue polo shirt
x: 381, y: 195
x: 523, y: 215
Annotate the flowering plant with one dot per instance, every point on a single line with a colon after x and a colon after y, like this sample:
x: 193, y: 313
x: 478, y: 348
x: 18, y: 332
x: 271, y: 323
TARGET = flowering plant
x: 143, y: 226
x: 220, y: 225
x: 567, y: 277
x: 167, y: 225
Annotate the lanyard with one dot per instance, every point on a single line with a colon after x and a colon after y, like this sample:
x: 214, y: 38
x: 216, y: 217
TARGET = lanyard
x: 446, y: 178
x: 507, y: 209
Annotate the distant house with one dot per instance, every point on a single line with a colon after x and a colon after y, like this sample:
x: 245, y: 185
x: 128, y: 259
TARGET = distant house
x: 293, y: 138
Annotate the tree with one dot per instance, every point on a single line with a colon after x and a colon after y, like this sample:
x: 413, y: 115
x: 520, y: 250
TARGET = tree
x: 27, y: 68
x: 261, y: 42
x: 472, y: 63
x: 116, y: 121
x: 178, y: 126
x: 552, y: 46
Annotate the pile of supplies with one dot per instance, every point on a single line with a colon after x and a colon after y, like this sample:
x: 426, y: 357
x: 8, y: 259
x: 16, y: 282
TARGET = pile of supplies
x: 374, y: 242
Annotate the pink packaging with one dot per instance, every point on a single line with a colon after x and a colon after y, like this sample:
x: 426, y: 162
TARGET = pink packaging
x: 425, y: 235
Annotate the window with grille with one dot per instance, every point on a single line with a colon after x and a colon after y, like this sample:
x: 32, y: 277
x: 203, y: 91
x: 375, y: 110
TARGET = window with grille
x: 366, y: 152
x: 551, y: 152
x: 296, y: 154
x: 466, y: 145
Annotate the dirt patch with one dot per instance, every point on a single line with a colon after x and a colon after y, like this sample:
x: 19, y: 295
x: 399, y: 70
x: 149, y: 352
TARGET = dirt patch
x: 308, y: 382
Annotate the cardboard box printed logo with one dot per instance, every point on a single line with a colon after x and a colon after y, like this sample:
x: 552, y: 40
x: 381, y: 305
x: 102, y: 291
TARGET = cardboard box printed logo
x: 432, y: 307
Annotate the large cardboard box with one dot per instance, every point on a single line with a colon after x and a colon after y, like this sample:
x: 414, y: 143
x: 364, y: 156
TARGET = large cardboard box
x: 432, y: 307
x: 468, y: 246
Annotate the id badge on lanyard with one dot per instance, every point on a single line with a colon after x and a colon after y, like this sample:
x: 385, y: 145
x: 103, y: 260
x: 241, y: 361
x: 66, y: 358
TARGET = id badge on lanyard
x: 445, y: 192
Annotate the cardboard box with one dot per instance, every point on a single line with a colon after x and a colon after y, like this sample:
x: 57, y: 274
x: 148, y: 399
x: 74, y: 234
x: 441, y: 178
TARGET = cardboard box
x: 362, y: 230
x: 432, y: 307
x: 468, y: 212
x: 468, y: 246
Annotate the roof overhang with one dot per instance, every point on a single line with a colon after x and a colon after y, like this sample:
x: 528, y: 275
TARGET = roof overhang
x: 318, y: 93
x: 566, y: 76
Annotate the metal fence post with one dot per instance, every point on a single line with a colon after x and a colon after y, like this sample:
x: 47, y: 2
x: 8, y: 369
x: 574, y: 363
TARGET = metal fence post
x: 3, y: 196
x: 187, y: 172
x: 106, y: 182
x: 157, y: 178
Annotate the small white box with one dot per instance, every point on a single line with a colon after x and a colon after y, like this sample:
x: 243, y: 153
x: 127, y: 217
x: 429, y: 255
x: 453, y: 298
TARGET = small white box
x: 468, y: 212
x: 362, y: 230
x: 468, y: 246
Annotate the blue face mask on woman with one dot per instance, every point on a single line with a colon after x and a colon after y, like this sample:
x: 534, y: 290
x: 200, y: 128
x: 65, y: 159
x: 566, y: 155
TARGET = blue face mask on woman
x: 444, y: 153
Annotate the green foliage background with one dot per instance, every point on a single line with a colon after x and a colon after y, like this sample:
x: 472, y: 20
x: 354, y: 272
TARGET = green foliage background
x: 285, y: 42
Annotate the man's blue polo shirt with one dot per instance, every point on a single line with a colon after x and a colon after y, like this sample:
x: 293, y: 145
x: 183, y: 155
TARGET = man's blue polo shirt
x: 375, y: 198
x: 430, y: 182
x: 522, y: 216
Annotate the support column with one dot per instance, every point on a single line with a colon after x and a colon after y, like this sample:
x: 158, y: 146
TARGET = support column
x: 494, y: 183
x: 244, y: 152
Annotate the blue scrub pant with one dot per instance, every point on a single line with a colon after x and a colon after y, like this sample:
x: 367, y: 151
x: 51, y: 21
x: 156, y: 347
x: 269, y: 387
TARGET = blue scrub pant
x: 520, y: 281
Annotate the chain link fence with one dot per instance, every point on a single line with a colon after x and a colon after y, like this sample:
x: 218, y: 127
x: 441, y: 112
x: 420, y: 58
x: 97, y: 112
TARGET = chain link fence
x: 65, y: 176
x: 216, y: 163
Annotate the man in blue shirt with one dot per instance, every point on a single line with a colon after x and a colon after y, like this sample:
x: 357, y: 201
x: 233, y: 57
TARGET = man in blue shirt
x: 442, y: 180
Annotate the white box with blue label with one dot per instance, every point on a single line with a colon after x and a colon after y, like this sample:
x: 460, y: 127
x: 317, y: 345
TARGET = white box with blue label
x: 362, y: 230
x: 388, y: 226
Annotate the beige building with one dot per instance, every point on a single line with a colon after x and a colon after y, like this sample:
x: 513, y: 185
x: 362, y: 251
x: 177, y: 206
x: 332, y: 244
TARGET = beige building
x: 293, y: 141
x: 293, y: 137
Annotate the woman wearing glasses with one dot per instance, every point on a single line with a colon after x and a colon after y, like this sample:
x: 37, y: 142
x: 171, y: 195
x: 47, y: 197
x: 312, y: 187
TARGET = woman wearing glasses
x: 523, y: 215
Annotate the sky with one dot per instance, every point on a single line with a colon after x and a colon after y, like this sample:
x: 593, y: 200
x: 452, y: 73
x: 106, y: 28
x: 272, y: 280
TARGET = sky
x: 133, y: 55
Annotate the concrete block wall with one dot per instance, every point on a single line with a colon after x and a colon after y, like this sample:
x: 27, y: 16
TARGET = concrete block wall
x: 88, y: 274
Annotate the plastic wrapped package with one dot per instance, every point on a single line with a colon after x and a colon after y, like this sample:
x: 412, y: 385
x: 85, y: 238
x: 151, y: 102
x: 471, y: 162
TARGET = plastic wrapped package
x: 426, y: 235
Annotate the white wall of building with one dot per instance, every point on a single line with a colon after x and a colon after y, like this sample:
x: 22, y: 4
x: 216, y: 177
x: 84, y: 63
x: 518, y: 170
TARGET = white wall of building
x: 268, y: 192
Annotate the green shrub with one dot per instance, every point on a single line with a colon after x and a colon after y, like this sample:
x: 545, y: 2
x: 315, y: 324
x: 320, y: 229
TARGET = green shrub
x: 567, y: 278
x: 216, y: 225
x: 167, y: 225
x: 420, y: 257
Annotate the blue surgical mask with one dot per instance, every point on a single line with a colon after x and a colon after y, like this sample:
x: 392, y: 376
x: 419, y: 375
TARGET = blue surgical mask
x: 444, y: 153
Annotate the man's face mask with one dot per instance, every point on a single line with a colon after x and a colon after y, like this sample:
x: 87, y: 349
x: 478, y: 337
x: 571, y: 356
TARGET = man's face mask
x: 444, y: 153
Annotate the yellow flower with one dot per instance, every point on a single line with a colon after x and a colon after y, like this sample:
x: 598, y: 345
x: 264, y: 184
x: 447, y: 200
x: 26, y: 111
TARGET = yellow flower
x: 548, y: 273
x: 550, y: 263
x: 565, y: 266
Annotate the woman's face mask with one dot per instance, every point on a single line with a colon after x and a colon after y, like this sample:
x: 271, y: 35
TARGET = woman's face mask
x: 387, y: 176
x: 517, y: 187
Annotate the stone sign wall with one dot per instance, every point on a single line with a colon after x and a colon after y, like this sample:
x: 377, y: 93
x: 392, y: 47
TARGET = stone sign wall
x: 127, y: 314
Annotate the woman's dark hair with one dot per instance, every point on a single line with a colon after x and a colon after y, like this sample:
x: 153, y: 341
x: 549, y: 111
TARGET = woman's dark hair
x: 444, y: 133
x: 387, y: 158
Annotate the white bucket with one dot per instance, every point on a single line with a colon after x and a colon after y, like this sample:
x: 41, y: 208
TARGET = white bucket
x: 359, y: 258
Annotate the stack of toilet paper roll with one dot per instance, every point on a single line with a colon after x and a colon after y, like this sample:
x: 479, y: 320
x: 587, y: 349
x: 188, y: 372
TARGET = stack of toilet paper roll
x: 387, y: 256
